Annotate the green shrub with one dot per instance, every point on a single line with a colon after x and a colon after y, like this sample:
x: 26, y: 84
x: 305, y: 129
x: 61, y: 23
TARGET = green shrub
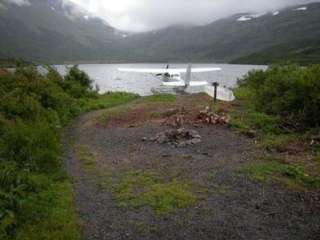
x: 288, y: 91
x: 15, y: 186
x: 34, y: 146
x: 77, y: 83
x: 35, y: 198
x: 76, y: 75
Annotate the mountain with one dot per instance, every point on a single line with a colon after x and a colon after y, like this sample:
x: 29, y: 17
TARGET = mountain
x: 292, y: 33
x: 54, y: 30
x: 60, y: 31
x: 304, y: 52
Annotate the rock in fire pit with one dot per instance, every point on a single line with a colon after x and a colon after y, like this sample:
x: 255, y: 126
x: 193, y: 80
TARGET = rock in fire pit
x: 176, y: 137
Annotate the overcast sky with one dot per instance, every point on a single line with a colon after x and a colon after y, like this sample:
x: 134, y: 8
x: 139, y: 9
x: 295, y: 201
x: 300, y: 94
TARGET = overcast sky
x: 142, y: 15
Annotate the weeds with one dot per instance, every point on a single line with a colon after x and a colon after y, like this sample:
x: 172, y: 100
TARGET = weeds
x: 292, y: 176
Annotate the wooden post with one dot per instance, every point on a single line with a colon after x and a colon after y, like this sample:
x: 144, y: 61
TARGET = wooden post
x: 215, y: 84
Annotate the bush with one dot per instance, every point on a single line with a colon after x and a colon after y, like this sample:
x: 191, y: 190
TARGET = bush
x: 15, y: 186
x: 77, y: 83
x: 288, y: 91
x: 35, y: 202
x: 76, y: 75
x: 33, y: 108
x: 33, y: 146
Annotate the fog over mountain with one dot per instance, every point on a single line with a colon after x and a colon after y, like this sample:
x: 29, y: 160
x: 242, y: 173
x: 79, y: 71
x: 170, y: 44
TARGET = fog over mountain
x: 142, y: 15
x: 18, y: 2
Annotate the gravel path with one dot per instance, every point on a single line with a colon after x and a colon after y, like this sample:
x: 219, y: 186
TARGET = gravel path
x: 234, y: 207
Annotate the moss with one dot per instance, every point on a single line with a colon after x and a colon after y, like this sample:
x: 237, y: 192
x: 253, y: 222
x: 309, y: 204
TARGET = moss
x: 292, y: 176
x: 167, y: 197
x: 137, y: 189
x: 159, y: 98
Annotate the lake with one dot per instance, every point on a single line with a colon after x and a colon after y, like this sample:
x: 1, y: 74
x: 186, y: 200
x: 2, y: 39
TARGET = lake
x: 109, y: 78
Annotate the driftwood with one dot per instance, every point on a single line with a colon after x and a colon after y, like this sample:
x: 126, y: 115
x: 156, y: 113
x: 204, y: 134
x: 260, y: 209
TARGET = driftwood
x: 180, y: 117
x: 209, y: 117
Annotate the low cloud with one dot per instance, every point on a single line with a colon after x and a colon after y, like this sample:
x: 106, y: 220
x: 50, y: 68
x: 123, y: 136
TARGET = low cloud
x: 143, y: 15
x: 18, y: 2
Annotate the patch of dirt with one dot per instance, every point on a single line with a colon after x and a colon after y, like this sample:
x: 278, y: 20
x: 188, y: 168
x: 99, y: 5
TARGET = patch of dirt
x: 3, y: 72
x: 234, y: 207
x: 155, y: 113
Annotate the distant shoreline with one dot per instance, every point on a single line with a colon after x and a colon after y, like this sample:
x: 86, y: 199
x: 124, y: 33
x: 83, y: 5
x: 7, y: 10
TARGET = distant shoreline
x: 7, y: 63
x: 93, y: 63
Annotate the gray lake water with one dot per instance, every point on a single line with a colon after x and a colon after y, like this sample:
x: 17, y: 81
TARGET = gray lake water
x: 109, y: 78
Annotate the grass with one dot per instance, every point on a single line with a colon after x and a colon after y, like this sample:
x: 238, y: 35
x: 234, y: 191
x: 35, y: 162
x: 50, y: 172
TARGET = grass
x: 110, y: 100
x: 159, y: 98
x: 86, y: 158
x: 317, y: 157
x: 50, y: 215
x: 138, y: 189
x: 112, y: 113
x: 292, y: 176
x: 123, y: 110
x: 266, y: 129
x: 245, y: 119
x: 280, y: 142
x: 273, y: 139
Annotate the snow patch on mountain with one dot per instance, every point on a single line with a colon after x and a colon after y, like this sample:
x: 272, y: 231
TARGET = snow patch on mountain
x: 275, y: 13
x: 301, y: 9
x: 244, y: 18
x: 72, y: 10
x: 250, y: 17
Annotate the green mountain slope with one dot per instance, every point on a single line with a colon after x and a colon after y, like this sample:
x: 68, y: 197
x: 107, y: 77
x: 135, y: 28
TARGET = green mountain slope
x: 304, y: 52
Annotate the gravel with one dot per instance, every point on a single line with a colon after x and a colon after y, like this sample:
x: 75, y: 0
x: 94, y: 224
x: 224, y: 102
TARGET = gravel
x: 235, y: 207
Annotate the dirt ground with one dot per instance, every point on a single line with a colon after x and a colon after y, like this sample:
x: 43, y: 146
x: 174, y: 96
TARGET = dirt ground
x: 226, y: 205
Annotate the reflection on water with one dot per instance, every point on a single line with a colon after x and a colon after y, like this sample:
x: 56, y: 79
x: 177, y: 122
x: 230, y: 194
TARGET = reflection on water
x: 109, y: 78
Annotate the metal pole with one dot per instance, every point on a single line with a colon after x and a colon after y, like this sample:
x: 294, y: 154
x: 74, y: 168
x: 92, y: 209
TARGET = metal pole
x: 215, y: 84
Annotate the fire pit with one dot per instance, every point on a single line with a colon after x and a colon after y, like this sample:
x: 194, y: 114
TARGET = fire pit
x: 176, y: 137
